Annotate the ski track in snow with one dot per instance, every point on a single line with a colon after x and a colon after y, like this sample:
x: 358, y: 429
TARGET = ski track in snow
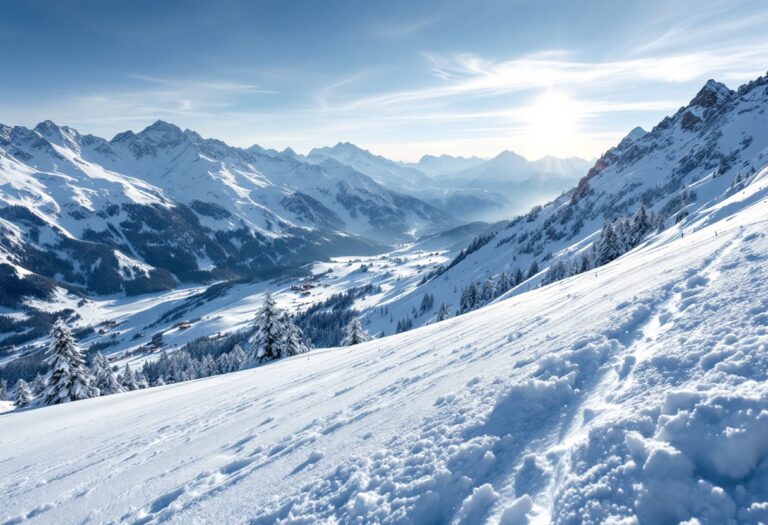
x: 633, y: 392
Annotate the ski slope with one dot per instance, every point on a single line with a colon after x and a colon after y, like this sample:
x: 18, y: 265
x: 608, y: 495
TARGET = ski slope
x: 633, y: 393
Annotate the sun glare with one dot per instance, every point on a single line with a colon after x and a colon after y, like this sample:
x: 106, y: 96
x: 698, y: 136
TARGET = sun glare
x: 553, y: 119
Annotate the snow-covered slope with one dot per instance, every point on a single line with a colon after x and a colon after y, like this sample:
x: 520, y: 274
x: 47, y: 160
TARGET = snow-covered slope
x: 637, y: 394
x: 706, y: 151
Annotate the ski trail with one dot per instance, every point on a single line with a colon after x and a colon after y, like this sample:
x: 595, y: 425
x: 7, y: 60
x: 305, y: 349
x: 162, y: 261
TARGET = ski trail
x: 638, y: 345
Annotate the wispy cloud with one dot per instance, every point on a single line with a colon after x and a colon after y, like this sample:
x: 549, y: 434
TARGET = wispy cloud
x: 471, y: 75
x: 195, y: 85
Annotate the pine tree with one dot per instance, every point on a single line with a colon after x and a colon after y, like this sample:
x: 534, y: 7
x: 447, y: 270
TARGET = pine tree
x: 293, y: 342
x: 623, y: 231
x: 403, y: 325
x: 533, y: 269
x: 209, y: 366
x: 503, y: 284
x: 67, y: 379
x: 486, y: 293
x: 141, y: 380
x: 23, y: 396
x: 608, y: 245
x: 267, y: 341
x: 641, y: 225
x: 470, y: 296
x: 426, y: 303
x: 584, y: 263
x: 237, y: 357
x: 354, y: 333
x: 556, y: 272
x: 3, y: 390
x: 442, y: 313
x: 518, y: 277
x: 38, y: 385
x: 224, y: 364
x: 128, y: 380
x: 103, y: 378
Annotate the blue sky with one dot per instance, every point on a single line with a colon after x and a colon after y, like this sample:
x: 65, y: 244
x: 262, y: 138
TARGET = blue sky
x: 402, y: 78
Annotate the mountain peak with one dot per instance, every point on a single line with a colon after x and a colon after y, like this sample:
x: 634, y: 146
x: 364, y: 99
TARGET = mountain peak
x: 46, y: 126
x: 712, y: 94
x: 60, y: 135
x: 161, y: 126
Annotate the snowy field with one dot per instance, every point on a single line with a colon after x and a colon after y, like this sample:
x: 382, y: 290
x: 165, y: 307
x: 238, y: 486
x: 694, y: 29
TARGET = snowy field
x: 633, y: 393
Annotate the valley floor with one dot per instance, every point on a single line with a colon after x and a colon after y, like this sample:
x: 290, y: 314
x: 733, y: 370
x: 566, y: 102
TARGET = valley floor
x: 633, y: 393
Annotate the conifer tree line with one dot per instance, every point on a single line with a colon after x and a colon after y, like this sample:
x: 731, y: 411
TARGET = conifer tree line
x: 274, y: 335
x: 615, y: 239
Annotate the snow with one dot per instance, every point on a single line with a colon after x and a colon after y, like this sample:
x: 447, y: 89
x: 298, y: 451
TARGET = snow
x: 636, y: 393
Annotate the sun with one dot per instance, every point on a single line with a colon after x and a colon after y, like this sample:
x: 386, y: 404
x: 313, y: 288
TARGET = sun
x: 552, y: 120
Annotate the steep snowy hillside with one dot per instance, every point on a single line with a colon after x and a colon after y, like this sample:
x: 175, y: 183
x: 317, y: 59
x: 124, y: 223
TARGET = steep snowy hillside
x: 705, y: 152
x: 634, y: 394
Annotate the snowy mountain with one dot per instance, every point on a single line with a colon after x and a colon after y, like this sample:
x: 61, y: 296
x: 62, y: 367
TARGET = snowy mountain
x: 468, y: 188
x: 520, y: 181
x: 384, y: 171
x: 635, y: 394
x: 465, y: 204
x: 148, y: 210
x: 705, y: 151
x: 437, y: 166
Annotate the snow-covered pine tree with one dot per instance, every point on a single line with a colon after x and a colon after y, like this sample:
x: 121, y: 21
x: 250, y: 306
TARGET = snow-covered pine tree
x: 533, y: 269
x: 237, y: 357
x: 293, y: 342
x: 403, y: 325
x: 470, y: 296
x: 487, y: 292
x: 267, y: 341
x: 3, y: 390
x: 128, y: 380
x: 38, y: 385
x: 210, y: 368
x: 641, y: 225
x: 556, y: 272
x: 518, y: 276
x: 224, y: 364
x: 67, y: 378
x: 103, y: 378
x: 426, y: 303
x: 608, y: 245
x: 503, y: 284
x: 141, y: 380
x: 623, y: 230
x: 23, y: 395
x: 442, y: 312
x: 354, y: 333
x: 584, y: 263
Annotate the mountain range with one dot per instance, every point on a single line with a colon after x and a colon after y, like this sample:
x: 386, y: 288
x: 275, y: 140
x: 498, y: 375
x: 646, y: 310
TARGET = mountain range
x: 704, y: 152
